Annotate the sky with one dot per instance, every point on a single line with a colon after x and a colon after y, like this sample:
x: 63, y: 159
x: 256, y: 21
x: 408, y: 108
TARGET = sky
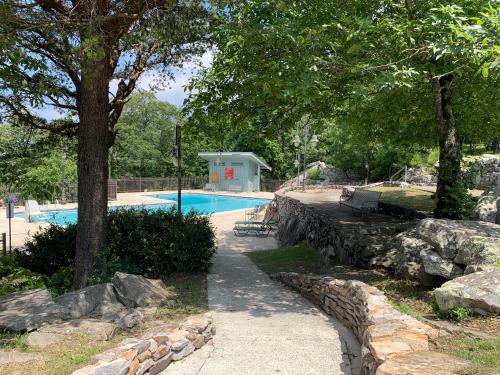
x: 173, y: 92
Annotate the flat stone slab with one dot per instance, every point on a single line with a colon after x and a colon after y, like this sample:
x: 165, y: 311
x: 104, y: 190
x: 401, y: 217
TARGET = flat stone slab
x: 43, y: 339
x: 97, y: 329
x: 18, y: 357
x: 422, y: 363
x: 28, y: 310
x: 479, y: 291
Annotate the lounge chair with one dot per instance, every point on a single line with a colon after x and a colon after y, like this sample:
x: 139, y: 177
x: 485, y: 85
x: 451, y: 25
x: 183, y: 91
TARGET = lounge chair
x: 259, y: 228
x: 31, y: 208
x: 252, y: 214
x: 209, y: 187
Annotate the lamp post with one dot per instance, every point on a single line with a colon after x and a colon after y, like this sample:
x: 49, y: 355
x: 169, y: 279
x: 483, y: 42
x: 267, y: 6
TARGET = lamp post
x: 296, y: 141
x: 63, y: 162
x: 367, y: 167
x: 176, y: 159
x: 296, y: 163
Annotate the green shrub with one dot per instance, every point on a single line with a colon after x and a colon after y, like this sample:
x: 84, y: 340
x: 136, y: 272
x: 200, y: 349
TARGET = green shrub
x: 433, y: 156
x: 151, y: 243
x: 49, y: 250
x: 14, y: 278
x: 156, y: 244
x: 459, y: 313
x: 7, y: 265
x: 314, y: 174
x: 60, y: 282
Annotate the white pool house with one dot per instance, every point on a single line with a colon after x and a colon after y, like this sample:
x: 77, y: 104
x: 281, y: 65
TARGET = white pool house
x: 234, y: 171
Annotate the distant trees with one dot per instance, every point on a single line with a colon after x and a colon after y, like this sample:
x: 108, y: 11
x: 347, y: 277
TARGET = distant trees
x: 32, y: 163
x: 145, y: 138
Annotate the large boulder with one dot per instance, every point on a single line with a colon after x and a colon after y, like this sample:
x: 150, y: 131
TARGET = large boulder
x: 407, y: 247
x: 446, y: 236
x: 435, y: 265
x: 28, y: 310
x: 478, y: 291
x: 96, y: 300
x: 479, y: 251
x: 137, y: 291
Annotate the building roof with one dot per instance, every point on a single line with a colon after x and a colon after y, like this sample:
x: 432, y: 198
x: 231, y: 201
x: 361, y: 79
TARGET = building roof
x: 244, y: 155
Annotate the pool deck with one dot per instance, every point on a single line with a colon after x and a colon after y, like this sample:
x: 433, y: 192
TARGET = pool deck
x: 22, y: 230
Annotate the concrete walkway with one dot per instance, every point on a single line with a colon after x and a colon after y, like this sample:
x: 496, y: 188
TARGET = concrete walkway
x: 263, y: 328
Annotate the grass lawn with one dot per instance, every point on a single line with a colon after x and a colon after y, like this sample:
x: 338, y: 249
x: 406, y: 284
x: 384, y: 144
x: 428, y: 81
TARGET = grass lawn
x: 290, y: 259
x: 406, y: 296
x: 483, y: 353
x: 419, y: 200
x: 188, y: 296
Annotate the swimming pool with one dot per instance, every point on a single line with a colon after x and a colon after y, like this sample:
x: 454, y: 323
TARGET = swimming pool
x: 202, y: 203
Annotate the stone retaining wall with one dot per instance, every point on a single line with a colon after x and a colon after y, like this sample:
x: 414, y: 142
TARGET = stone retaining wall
x: 154, y: 352
x: 392, y: 342
x: 351, y: 242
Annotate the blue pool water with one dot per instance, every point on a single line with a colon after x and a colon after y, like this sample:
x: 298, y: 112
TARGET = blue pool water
x: 202, y: 203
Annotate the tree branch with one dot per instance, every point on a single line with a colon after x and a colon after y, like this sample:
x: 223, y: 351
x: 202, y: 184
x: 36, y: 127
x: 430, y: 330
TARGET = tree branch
x: 23, y: 116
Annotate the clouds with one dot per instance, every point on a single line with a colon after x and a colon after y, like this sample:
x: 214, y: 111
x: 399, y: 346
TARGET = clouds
x: 172, y: 91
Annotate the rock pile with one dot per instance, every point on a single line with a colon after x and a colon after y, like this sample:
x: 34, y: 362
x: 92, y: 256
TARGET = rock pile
x: 327, y: 176
x: 419, y: 176
x: 487, y: 171
x: 152, y: 353
x: 97, y: 310
x: 438, y: 250
x: 486, y: 208
x: 390, y: 340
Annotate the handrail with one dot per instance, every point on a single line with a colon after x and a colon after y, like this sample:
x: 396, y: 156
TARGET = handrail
x: 405, y: 169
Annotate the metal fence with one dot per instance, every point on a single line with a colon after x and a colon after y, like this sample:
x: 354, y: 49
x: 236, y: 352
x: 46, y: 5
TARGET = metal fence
x: 140, y: 184
x: 270, y: 185
x: 136, y: 184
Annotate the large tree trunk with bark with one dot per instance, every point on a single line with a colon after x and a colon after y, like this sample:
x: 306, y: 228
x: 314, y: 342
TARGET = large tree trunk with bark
x: 449, y: 174
x: 93, y: 149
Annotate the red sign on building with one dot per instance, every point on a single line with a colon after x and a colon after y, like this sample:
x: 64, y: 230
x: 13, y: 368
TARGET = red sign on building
x: 228, y: 173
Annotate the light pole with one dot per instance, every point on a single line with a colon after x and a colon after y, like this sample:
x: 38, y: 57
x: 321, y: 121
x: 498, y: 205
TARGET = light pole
x: 367, y: 167
x: 176, y: 159
x: 296, y: 141
x: 296, y: 163
x: 63, y: 162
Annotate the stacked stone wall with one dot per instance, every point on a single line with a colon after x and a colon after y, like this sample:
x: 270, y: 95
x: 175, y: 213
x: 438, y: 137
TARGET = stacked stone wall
x: 392, y: 342
x: 351, y: 242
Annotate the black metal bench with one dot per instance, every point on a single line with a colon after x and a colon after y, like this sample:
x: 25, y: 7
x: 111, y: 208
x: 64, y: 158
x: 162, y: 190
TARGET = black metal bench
x: 363, y: 200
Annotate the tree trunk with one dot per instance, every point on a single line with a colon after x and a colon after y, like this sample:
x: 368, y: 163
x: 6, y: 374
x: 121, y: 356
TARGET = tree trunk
x: 449, y: 174
x: 93, y: 151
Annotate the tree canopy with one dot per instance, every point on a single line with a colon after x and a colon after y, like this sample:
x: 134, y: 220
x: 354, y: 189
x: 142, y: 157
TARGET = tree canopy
x: 390, y: 72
